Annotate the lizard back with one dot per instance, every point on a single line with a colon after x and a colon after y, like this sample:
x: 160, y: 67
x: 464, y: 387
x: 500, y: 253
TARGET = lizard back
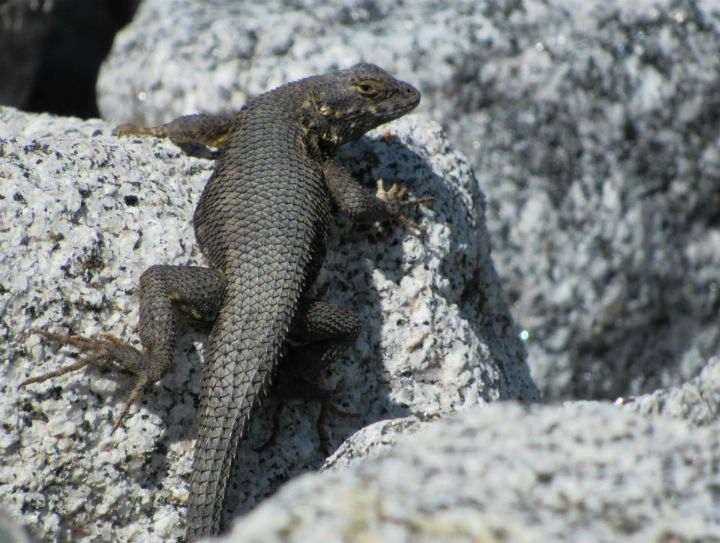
x: 262, y: 220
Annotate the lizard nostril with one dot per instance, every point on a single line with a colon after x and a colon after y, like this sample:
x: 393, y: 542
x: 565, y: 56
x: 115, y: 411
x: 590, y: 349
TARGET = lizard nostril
x: 409, y: 91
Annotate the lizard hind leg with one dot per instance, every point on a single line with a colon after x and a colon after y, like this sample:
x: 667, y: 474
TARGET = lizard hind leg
x: 107, y: 348
x: 190, y: 291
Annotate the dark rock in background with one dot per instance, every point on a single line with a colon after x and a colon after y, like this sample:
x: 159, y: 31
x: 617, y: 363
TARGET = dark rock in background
x: 24, y: 25
x: 51, y: 50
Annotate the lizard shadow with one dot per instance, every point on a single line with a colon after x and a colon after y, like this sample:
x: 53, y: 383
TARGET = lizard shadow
x: 461, y: 263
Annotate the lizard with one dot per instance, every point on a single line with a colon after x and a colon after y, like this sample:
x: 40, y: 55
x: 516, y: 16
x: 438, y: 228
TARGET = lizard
x: 262, y: 223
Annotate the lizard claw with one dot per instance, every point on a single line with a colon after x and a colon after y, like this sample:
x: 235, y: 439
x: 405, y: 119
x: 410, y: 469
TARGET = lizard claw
x: 107, y: 348
x: 393, y: 198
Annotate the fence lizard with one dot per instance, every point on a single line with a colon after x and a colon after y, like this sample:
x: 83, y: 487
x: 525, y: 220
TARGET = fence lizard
x: 262, y: 223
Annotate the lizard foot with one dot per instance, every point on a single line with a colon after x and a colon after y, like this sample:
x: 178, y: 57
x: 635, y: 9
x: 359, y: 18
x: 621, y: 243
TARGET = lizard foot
x: 306, y: 392
x: 325, y: 408
x: 393, y: 198
x: 107, y: 348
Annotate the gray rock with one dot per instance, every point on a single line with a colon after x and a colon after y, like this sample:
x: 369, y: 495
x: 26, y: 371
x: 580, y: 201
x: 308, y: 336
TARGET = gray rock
x: 578, y: 472
x: 697, y: 401
x: 596, y: 141
x: 592, y: 128
x: 179, y: 56
x: 84, y: 213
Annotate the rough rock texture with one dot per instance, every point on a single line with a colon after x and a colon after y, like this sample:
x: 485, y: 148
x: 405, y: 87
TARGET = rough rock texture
x: 697, y: 401
x: 82, y: 214
x: 593, y: 129
x: 592, y: 126
x: 597, y: 142
x: 579, y: 472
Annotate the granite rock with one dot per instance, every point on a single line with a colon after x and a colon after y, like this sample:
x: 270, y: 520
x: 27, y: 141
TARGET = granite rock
x: 697, y: 401
x: 592, y: 127
x: 583, y: 471
x: 83, y: 214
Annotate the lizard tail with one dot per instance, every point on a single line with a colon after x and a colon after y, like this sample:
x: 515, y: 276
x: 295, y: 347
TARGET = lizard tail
x: 246, y: 348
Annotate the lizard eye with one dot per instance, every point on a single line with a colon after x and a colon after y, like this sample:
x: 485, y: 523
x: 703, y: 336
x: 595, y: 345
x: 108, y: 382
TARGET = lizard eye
x: 368, y: 89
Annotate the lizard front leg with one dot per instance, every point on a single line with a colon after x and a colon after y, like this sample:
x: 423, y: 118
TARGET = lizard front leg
x: 165, y: 291
x: 362, y: 206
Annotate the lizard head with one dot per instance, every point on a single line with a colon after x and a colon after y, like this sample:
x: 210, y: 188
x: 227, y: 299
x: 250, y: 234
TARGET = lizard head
x: 353, y: 101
